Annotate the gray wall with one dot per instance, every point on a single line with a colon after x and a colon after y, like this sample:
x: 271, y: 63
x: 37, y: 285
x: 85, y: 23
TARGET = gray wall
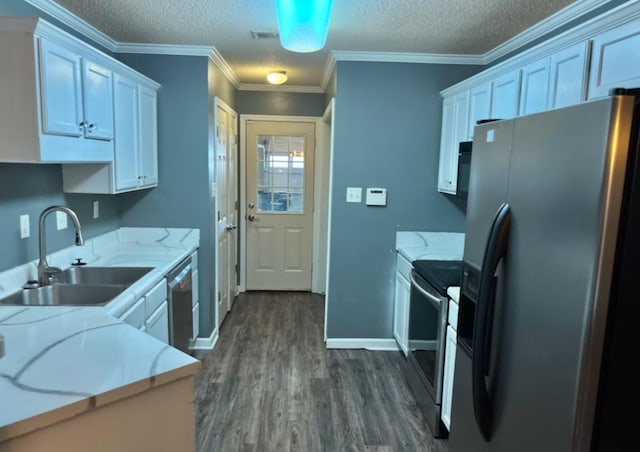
x: 280, y: 103
x: 29, y: 189
x: 387, y: 134
x: 182, y: 196
x: 22, y: 8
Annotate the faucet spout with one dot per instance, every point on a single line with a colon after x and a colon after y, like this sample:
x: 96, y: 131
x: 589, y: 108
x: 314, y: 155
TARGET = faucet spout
x: 44, y: 271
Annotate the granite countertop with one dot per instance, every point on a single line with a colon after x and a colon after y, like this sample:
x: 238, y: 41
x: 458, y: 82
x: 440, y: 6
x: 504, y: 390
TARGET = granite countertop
x: 62, y: 361
x: 446, y: 246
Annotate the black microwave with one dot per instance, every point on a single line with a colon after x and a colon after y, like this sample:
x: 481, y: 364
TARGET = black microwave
x: 464, y: 168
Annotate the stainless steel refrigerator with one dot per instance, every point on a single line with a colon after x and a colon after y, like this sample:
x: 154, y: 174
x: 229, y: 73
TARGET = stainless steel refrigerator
x: 549, y: 317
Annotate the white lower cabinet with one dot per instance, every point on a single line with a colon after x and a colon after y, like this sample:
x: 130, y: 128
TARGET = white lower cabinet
x: 447, y: 384
x: 195, y: 294
x: 401, y: 303
x: 135, y: 315
x: 157, y: 324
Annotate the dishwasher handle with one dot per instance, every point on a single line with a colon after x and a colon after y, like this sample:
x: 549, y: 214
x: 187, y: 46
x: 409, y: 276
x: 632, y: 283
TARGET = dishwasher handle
x: 179, y: 273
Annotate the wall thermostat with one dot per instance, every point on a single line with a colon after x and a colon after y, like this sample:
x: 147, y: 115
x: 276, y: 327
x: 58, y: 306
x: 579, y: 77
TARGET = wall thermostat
x: 376, y: 196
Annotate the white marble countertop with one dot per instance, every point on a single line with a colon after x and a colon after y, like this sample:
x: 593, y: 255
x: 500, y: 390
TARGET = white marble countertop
x: 446, y: 246
x: 454, y: 293
x: 62, y: 361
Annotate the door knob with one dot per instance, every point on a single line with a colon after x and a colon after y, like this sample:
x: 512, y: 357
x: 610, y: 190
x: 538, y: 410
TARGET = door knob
x: 231, y: 227
x: 251, y: 205
x: 251, y: 217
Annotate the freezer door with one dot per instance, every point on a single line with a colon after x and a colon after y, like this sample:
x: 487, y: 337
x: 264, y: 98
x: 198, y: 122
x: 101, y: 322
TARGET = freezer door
x: 562, y: 162
x: 488, y: 182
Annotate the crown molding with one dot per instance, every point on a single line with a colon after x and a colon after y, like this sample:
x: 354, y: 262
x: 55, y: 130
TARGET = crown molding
x: 566, y: 14
x: 407, y: 57
x: 222, y: 64
x: 281, y: 88
x: 71, y: 20
x: 163, y: 49
x: 329, y: 66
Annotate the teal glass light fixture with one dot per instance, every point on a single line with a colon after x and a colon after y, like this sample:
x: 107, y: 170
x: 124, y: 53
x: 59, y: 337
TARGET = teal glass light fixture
x: 303, y: 24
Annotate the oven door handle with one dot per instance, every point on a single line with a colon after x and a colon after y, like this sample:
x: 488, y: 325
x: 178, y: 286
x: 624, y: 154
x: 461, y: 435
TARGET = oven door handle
x: 432, y: 298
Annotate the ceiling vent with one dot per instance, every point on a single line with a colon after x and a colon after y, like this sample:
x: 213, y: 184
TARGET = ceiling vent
x: 264, y: 35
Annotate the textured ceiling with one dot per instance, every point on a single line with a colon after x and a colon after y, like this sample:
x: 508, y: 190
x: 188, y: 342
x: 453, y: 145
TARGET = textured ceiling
x: 423, y: 26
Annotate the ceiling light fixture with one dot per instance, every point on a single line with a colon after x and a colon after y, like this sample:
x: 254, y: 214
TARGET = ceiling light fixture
x: 303, y: 24
x: 277, y: 77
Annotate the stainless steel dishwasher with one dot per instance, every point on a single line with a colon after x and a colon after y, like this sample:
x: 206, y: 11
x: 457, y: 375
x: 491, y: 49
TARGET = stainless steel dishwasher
x: 180, y: 292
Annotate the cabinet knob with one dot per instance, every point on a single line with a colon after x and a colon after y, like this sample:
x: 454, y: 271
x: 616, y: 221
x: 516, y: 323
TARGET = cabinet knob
x: 82, y: 125
x: 91, y: 127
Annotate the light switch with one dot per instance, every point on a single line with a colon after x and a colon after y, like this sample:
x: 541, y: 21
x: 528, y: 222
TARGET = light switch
x: 96, y: 209
x: 354, y: 194
x: 25, y: 229
x: 61, y: 220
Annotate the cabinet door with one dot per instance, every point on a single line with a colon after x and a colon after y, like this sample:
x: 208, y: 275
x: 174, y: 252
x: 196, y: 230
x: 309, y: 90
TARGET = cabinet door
x: 615, y: 61
x: 97, y: 87
x: 534, y: 90
x: 60, y: 90
x: 479, y: 105
x: 504, y: 103
x: 157, y: 325
x: 449, y: 369
x: 445, y: 182
x: 126, y: 133
x: 568, y: 76
x: 401, y: 313
x: 148, y: 137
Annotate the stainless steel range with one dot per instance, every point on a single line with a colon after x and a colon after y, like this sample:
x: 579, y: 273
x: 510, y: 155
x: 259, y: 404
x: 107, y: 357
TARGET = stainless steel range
x: 428, y: 310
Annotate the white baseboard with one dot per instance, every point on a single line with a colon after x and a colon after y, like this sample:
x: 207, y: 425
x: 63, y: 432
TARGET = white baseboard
x: 206, y: 343
x: 369, y: 344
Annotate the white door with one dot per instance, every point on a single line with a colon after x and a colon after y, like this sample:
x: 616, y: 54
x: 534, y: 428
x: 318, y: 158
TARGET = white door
x: 232, y: 196
x: 279, y: 205
x: 221, y: 148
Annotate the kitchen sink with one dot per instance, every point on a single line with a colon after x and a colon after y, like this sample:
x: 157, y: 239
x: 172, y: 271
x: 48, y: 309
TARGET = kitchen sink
x: 65, y: 295
x: 122, y: 276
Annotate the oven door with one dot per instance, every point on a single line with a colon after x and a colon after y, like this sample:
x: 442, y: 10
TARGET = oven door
x: 427, y: 331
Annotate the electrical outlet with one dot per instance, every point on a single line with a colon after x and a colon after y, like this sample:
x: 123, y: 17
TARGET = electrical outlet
x: 25, y: 229
x: 96, y: 209
x: 354, y: 194
x: 61, y: 220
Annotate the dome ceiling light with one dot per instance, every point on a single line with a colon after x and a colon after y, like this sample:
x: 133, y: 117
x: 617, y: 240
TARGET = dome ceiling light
x: 277, y: 77
x: 303, y: 24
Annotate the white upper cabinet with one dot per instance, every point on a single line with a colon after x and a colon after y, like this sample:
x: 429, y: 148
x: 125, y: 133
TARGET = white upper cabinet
x: 455, y: 128
x: 534, y: 90
x: 148, y: 159
x: 479, y: 105
x: 504, y: 104
x: 60, y: 90
x: 98, y: 101
x: 568, y: 76
x: 615, y: 61
x: 126, y: 166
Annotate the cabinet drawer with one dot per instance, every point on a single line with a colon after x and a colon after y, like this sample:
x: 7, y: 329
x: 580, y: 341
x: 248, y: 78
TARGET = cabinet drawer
x: 134, y: 316
x: 195, y: 313
x: 156, y: 296
x: 157, y: 325
x: 403, y: 267
x: 453, y: 314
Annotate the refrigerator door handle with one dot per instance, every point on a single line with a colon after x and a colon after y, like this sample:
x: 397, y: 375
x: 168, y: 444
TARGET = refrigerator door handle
x: 496, y: 248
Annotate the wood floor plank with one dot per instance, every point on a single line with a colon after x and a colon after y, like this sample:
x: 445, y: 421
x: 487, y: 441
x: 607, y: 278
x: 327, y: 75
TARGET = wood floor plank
x: 271, y: 385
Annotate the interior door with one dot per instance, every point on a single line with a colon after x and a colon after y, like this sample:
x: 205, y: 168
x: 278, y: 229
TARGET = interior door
x: 279, y: 205
x: 221, y: 118
x: 232, y: 191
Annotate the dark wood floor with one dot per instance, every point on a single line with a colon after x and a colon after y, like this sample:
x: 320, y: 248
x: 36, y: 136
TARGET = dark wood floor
x: 271, y: 385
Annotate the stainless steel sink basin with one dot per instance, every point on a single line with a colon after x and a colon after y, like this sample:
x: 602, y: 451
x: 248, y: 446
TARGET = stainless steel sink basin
x: 65, y: 295
x: 122, y: 276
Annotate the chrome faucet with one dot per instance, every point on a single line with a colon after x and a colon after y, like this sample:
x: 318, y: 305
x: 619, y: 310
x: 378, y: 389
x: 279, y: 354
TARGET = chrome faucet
x: 44, y: 271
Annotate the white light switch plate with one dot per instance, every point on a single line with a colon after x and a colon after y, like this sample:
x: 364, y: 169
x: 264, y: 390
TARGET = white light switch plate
x: 354, y: 194
x: 61, y: 220
x: 96, y: 209
x: 25, y: 229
